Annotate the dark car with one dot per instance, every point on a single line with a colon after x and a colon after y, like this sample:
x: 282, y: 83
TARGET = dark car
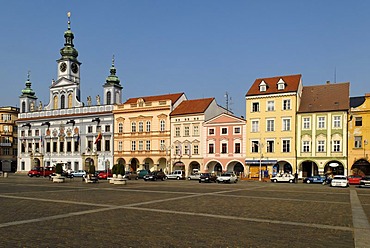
x: 142, y: 173
x: 365, y: 182
x: 314, y: 179
x: 155, y: 175
x: 207, y: 178
x: 131, y: 175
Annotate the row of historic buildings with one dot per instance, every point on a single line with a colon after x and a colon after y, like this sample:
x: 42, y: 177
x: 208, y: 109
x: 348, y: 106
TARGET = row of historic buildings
x: 288, y: 127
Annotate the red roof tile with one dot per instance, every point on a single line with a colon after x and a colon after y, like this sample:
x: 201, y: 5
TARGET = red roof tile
x: 292, y: 83
x: 192, y: 106
x: 326, y: 97
x: 173, y: 97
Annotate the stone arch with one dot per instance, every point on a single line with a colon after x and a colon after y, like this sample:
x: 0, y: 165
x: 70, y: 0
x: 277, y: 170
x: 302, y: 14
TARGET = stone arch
x: 334, y: 167
x: 309, y: 168
x: 361, y: 167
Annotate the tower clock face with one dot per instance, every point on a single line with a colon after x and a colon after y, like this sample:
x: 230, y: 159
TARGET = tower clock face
x: 63, y: 67
x: 74, y: 67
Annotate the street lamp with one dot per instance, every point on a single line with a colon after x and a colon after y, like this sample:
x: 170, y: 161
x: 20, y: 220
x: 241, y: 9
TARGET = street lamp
x: 260, y: 145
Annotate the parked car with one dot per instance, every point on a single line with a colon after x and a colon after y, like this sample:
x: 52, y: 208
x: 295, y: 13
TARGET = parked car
x: 354, y: 179
x: 283, y: 178
x: 41, y: 171
x: 365, y: 182
x: 177, y: 174
x: 315, y: 179
x: 339, y: 181
x: 142, y: 173
x: 194, y: 176
x: 104, y: 174
x: 227, y: 177
x: 207, y: 177
x: 64, y: 174
x: 78, y: 173
x: 131, y: 175
x: 155, y: 175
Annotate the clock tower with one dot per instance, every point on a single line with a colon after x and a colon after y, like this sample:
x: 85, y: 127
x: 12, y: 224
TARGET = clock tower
x: 65, y: 91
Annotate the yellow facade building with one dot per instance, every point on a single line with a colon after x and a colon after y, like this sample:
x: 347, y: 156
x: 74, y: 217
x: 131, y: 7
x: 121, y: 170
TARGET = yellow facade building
x: 271, y: 107
x: 359, y: 135
x: 142, y: 132
x: 8, y: 138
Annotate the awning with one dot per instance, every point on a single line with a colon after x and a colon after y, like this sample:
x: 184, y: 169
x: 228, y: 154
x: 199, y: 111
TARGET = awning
x: 333, y: 164
x: 178, y: 164
x: 263, y: 161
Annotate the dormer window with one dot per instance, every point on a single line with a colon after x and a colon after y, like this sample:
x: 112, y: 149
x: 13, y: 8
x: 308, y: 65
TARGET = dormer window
x: 281, y: 84
x: 263, y: 86
x: 140, y: 102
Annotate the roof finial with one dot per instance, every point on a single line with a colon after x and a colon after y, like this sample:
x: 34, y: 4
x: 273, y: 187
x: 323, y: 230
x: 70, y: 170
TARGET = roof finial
x: 69, y: 20
x: 28, y: 75
x: 113, y: 60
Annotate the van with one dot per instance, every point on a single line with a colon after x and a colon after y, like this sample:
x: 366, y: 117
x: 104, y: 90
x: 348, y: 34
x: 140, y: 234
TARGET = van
x: 177, y: 174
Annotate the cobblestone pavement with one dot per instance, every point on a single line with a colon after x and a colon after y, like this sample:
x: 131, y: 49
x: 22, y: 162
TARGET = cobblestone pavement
x: 34, y: 212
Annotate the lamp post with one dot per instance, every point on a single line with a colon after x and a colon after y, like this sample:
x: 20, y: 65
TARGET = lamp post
x: 46, y: 123
x: 260, y: 145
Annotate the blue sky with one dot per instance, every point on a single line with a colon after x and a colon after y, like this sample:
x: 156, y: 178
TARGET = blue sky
x: 201, y: 47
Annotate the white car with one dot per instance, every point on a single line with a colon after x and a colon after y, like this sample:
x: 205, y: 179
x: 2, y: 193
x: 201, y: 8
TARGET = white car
x: 227, y: 177
x: 194, y: 176
x: 78, y: 173
x: 339, y: 181
x: 283, y: 178
x: 177, y: 174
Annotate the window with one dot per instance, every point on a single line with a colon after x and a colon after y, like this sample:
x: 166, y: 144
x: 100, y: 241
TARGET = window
x: 224, y: 148
x: 55, y: 146
x: 255, y: 107
x: 195, y: 130
x: 336, y: 146
x: 211, y: 131
x: 358, y: 121
x: 37, y: 132
x: 196, y: 149
x: 177, y: 131
x: 148, y: 125
x: 89, y: 129
x: 255, y: 126
x: 162, y: 145
x: 236, y: 130
x: 98, y: 145
x: 306, y: 146
x: 211, y: 148
x: 321, y: 146
x: 237, y: 148
x: 286, y: 124
x: 337, y: 121
x: 147, y: 147
x: 133, y: 145
x: 141, y: 127
x: 133, y: 127
x: 48, y: 146
x: 286, y: 104
x: 358, y: 141
x: 306, y: 123
x: 270, y: 106
x: 62, y: 102
x: 90, y: 145
x: 120, y: 146
x: 141, y: 145
x: 186, y: 131
x: 162, y: 125
x: 255, y: 146
x: 187, y: 149
x: 224, y: 130
x: 270, y: 126
x: 61, y: 146
x: 120, y: 127
x: 321, y: 122
x: 107, y: 145
x: 107, y: 128
x: 270, y: 146
x: 109, y: 98
x: 178, y: 150
x: 69, y: 146
x: 286, y: 145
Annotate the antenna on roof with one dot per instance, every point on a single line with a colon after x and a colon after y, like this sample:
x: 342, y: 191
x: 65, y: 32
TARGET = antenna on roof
x: 335, y: 74
x: 228, y: 102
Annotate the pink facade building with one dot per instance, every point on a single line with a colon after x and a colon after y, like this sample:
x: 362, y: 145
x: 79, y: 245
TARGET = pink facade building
x: 224, y: 149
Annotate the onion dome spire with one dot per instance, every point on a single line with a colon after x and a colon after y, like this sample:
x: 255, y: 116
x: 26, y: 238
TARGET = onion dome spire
x: 112, y: 79
x: 28, y: 90
x: 68, y: 51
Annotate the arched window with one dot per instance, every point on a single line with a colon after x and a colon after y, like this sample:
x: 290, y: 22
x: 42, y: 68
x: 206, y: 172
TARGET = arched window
x: 148, y: 126
x: 120, y: 127
x: 109, y: 97
x: 141, y: 126
x: 163, y: 125
x: 23, y: 107
x: 55, y: 100
x: 62, y: 102
x: 70, y: 100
